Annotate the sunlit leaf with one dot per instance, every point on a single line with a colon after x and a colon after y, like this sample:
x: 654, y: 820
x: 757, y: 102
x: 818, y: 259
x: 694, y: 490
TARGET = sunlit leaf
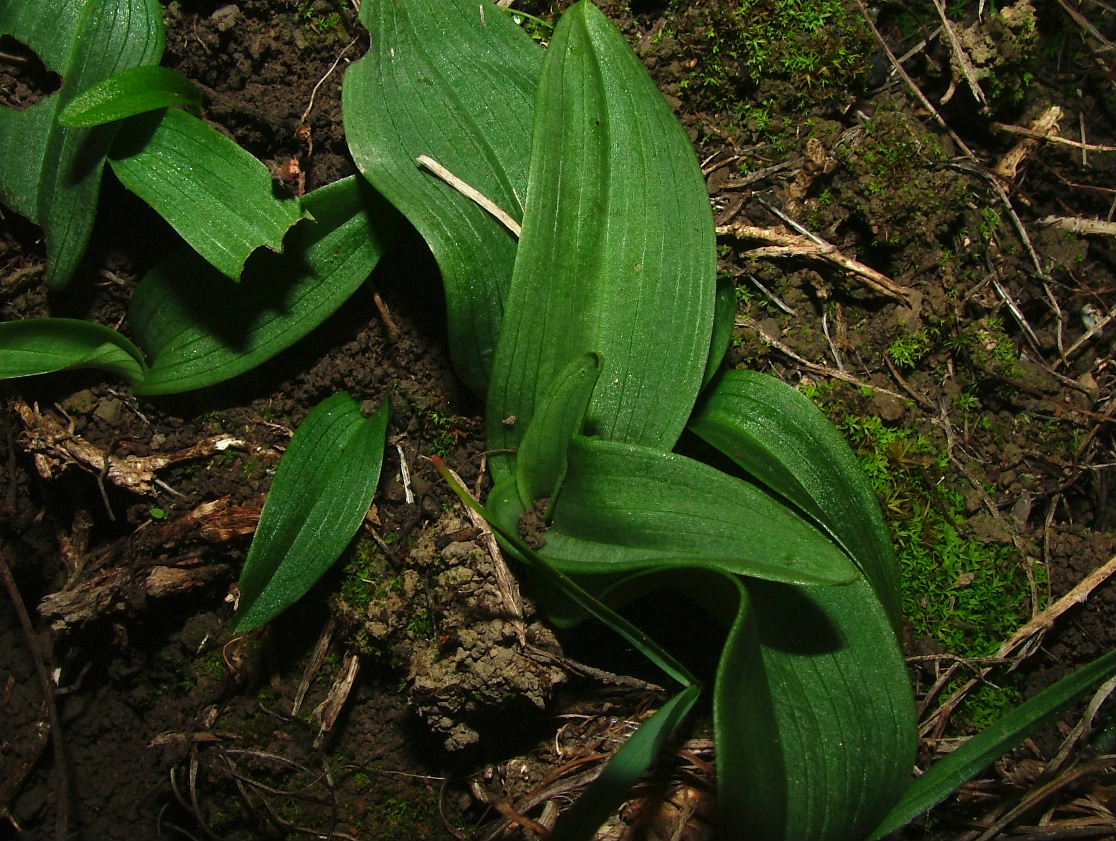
x: 782, y: 439
x: 453, y: 80
x: 626, y: 507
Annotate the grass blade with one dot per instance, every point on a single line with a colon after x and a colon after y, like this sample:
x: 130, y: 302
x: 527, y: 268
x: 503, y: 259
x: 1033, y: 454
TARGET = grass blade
x: 280, y: 298
x: 623, y: 771
x: 322, y: 489
x: 951, y: 772
x: 218, y: 196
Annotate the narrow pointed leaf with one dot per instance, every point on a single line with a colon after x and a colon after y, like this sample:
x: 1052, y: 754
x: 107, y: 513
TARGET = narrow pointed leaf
x: 628, y: 764
x: 541, y: 465
x: 453, y: 80
x: 954, y: 770
x: 626, y: 507
x: 134, y: 90
x: 51, y: 173
x: 200, y: 328
x: 617, y: 251
x: 322, y: 489
x: 44, y: 345
x: 778, y: 436
x: 724, y: 320
x: 220, y: 198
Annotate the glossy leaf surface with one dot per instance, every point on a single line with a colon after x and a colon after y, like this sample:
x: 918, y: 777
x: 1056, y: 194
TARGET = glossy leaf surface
x: 617, y: 251
x: 220, y: 198
x: 134, y: 90
x: 322, y: 489
x: 45, y: 345
x: 626, y: 507
x: 778, y: 436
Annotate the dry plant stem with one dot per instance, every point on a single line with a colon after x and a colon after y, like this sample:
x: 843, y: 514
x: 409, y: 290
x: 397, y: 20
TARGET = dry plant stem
x: 1017, y: 314
x: 910, y: 83
x: 1026, y: 637
x: 329, y: 709
x: 315, y: 664
x: 1053, y: 138
x: 46, y: 686
x: 1044, y: 126
x: 471, y: 193
x: 1082, y: 726
x: 509, y: 590
x: 961, y: 57
x: 53, y: 446
x: 782, y: 244
x: 1080, y: 226
x: 1073, y: 349
x: 385, y: 316
x: 813, y: 367
x: 1083, y: 22
x: 1040, y: 793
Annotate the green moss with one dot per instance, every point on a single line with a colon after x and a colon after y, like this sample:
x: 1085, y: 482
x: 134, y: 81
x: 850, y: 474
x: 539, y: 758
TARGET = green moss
x: 764, y: 60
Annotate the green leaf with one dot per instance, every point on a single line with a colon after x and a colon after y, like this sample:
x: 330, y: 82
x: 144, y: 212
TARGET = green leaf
x: 724, y: 321
x: 219, y: 197
x: 44, y: 345
x: 626, y: 507
x: 777, y: 435
x: 322, y: 489
x: 453, y: 80
x: 614, y: 785
x: 134, y: 90
x: 617, y: 252
x: 51, y: 173
x: 952, y: 771
x: 541, y: 465
x: 814, y: 715
x: 199, y: 328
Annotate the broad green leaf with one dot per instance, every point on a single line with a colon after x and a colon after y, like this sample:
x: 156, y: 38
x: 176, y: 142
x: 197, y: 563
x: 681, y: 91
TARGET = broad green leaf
x: 818, y: 740
x: 954, y: 770
x: 617, y: 251
x: 134, y: 90
x: 782, y: 439
x: 322, y: 489
x: 594, y: 806
x: 51, y: 173
x: 200, y: 328
x: 541, y: 465
x: 625, y: 507
x: 44, y: 345
x: 220, y: 198
x: 453, y: 80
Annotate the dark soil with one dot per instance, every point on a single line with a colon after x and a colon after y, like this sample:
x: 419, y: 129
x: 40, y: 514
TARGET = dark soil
x: 130, y: 710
